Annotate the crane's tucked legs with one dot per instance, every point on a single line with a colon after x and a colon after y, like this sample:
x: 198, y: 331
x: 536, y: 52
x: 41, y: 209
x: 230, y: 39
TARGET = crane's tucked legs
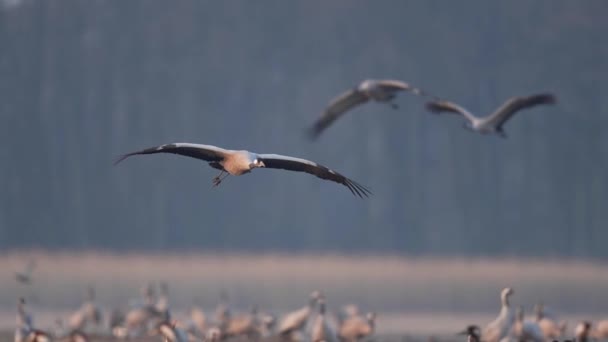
x: 218, y: 179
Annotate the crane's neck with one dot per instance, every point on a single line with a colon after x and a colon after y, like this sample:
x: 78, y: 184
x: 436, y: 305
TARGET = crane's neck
x: 538, y: 309
x: 372, y: 323
x: 505, y: 300
x: 21, y: 307
x: 322, y: 308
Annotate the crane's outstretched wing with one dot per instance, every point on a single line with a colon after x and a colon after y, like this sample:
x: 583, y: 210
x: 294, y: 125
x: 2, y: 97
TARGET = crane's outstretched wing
x: 336, y: 108
x: 275, y: 161
x: 515, y: 104
x: 205, y: 152
x: 441, y: 106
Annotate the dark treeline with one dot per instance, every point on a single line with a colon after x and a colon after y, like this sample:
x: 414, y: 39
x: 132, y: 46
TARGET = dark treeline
x: 84, y: 81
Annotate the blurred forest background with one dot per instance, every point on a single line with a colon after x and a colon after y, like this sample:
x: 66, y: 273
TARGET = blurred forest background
x: 82, y: 82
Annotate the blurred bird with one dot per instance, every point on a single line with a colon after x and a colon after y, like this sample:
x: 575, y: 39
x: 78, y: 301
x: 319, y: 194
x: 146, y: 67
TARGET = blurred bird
x: 89, y: 314
x: 347, y: 311
x: 494, y: 122
x: 267, y: 324
x: 147, y: 297
x: 472, y: 332
x: 244, y: 325
x: 355, y: 327
x: 24, y: 322
x: 199, y: 319
x: 602, y: 329
x: 213, y: 335
x: 551, y: 328
x: 170, y: 332
x: 222, y: 311
x: 36, y: 335
x: 162, y: 303
x: 24, y: 319
x: 25, y: 276
x: 321, y: 331
x: 63, y: 335
x: 120, y: 332
x: 138, y: 318
x: 296, y: 320
x: 238, y: 163
x: 116, y: 319
x: 376, y: 90
x: 76, y: 336
x: 60, y: 330
x: 501, y: 326
x: 25, y: 330
x: 526, y: 331
x: 583, y: 332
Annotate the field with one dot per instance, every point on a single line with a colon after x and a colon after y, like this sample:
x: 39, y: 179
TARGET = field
x: 413, y: 296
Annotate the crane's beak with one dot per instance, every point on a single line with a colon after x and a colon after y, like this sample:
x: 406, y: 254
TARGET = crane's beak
x: 464, y: 332
x: 257, y: 163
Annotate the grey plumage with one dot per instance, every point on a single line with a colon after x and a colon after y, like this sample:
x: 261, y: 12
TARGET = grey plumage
x: 494, y: 122
x: 376, y: 90
x: 472, y: 332
x: 241, y: 162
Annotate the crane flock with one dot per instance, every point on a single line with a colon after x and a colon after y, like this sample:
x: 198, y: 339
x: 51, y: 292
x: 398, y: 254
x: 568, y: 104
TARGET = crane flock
x: 240, y: 162
x: 313, y: 322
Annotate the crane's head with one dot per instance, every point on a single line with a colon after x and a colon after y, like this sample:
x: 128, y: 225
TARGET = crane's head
x: 505, y: 294
x: 471, y: 330
x: 365, y: 86
x: 314, y: 297
x: 256, y: 163
x: 213, y: 334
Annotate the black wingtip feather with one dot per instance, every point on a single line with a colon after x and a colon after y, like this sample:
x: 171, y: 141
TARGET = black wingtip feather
x: 121, y: 158
x: 352, y: 191
x: 150, y: 150
x: 357, y: 189
x: 547, y: 98
x: 313, y: 132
